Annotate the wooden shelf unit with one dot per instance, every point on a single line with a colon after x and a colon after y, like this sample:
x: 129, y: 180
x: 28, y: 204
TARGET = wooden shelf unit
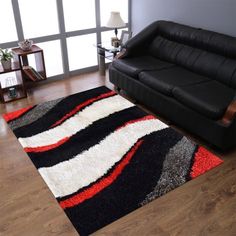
x: 23, y: 72
x: 33, y: 74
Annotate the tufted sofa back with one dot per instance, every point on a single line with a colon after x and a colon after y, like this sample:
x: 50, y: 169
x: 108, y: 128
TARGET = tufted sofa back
x: 205, y: 52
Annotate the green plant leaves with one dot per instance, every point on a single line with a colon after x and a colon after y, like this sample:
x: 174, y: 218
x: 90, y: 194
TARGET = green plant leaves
x: 5, y: 55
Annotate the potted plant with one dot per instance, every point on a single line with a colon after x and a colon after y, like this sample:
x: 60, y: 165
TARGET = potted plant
x: 5, y: 57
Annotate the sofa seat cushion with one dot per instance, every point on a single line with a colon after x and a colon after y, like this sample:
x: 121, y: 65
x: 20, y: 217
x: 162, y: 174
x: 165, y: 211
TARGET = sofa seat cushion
x: 210, y: 98
x: 133, y: 66
x: 166, y: 80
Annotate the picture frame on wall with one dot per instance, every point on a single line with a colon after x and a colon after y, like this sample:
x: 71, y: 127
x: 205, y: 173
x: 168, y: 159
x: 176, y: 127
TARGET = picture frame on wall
x: 125, y: 36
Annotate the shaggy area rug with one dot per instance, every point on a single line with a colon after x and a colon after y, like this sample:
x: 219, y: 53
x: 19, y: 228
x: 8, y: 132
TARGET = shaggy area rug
x: 102, y: 157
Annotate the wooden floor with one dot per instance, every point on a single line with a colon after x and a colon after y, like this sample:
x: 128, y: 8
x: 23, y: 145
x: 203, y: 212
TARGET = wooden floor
x: 205, y: 206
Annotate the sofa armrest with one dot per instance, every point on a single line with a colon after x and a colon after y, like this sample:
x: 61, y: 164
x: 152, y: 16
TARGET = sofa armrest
x: 121, y: 54
x: 139, y: 43
x: 230, y: 113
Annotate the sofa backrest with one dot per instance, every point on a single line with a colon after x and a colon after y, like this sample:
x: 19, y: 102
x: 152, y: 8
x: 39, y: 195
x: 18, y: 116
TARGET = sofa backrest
x: 205, y: 52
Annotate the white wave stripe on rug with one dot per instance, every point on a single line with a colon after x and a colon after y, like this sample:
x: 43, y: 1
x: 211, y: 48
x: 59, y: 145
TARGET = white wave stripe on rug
x: 69, y: 176
x: 83, y: 119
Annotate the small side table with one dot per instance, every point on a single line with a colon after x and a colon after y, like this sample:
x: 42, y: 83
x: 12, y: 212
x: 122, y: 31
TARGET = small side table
x: 105, y: 51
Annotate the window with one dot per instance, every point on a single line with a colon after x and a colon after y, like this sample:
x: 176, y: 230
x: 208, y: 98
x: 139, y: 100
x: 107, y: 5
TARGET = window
x: 79, y: 14
x: 82, y: 51
x: 52, y: 57
x: 7, y: 23
x: 41, y: 20
x: 69, y: 42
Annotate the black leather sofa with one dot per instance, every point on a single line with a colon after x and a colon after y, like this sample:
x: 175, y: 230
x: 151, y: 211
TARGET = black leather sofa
x: 184, y: 74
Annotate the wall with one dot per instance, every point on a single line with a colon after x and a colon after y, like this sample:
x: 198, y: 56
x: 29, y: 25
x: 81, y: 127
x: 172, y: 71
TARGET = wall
x: 216, y: 15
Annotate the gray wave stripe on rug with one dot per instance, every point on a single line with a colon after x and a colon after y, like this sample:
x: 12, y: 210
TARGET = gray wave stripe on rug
x: 175, y: 169
x: 34, y: 114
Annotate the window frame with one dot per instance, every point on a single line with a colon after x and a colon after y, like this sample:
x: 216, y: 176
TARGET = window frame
x: 63, y: 35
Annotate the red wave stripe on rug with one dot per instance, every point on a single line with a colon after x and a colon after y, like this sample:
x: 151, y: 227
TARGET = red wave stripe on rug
x: 48, y: 147
x: 16, y: 114
x: 149, y: 117
x: 103, y: 183
x: 82, y: 105
x: 204, y: 161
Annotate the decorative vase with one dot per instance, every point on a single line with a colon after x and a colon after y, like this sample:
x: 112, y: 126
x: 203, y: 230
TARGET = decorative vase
x: 6, y: 64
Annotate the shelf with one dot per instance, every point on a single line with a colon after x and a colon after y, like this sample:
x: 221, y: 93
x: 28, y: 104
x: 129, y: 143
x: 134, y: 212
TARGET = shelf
x: 11, y: 81
x: 36, y: 74
x: 109, y: 57
x: 20, y: 52
x: 14, y: 86
x: 14, y: 66
x: 20, y: 94
x: 22, y: 71
x: 32, y: 74
x: 15, y: 81
x: 106, y: 46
